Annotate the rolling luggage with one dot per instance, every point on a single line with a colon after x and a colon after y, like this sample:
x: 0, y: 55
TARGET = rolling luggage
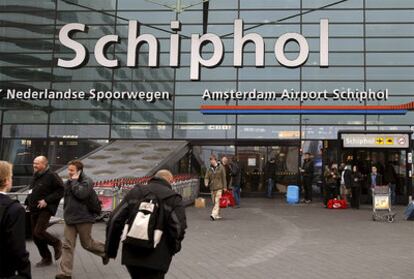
x: 337, y: 204
x: 292, y: 194
x: 227, y: 199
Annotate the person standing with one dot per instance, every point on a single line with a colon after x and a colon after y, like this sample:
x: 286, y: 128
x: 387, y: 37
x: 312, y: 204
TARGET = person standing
x: 331, y: 183
x: 14, y: 258
x: 391, y: 179
x: 270, y: 172
x: 307, y: 171
x: 226, y: 165
x: 235, y: 180
x: 374, y: 180
x: 45, y: 193
x: 147, y: 263
x: 215, y: 179
x: 78, y: 198
x: 356, y: 182
x: 345, y: 182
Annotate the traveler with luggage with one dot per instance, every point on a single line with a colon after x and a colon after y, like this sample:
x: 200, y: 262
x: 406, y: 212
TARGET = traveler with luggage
x: 151, y: 222
x: 215, y: 179
x: 331, y: 176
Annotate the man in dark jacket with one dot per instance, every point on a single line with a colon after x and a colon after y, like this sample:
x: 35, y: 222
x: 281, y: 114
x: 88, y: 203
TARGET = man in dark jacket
x: 235, y: 180
x: 270, y: 173
x: 391, y: 179
x: 307, y: 171
x: 78, y: 218
x: 46, y: 191
x: 14, y: 258
x: 149, y: 263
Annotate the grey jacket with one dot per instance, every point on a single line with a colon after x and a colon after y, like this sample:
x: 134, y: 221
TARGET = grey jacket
x: 77, y: 193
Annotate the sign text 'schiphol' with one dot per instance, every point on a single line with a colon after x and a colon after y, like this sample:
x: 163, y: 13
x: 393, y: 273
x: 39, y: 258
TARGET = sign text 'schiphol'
x: 135, y: 39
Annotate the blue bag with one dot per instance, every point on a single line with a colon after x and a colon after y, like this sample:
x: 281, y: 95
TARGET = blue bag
x: 292, y: 195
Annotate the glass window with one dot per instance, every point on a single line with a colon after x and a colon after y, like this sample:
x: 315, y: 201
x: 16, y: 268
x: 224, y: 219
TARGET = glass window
x: 335, y: 30
x: 22, y: 46
x: 142, y: 117
x: 141, y: 131
x: 268, y: 132
x: 390, y: 4
x: 322, y: 3
x: 86, y: 17
x: 197, y: 88
x: 391, y: 59
x: 82, y: 74
x: 353, y: 16
x: 394, y: 87
x: 389, y: 30
x: 406, y: 119
x: 147, y: 17
x: 269, y: 16
x: 268, y: 119
x: 79, y: 116
x: 389, y: 73
x: 24, y: 60
x: 214, y: 17
x: 286, y: 4
x: 326, y: 132
x: 26, y: 74
x: 79, y: 131
x: 204, y: 131
x: 389, y: 44
x: 107, y: 5
x: 348, y: 73
x: 268, y: 86
x: 333, y: 119
x: 268, y: 73
x: 24, y: 131
x: 390, y: 16
x: 25, y: 116
x: 196, y: 117
x: 218, y: 73
x: 194, y: 102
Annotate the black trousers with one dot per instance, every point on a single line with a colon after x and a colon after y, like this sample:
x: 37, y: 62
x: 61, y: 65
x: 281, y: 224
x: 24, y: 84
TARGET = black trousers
x: 356, y: 196
x: 145, y: 273
x: 40, y: 223
x: 331, y: 191
x: 307, y: 187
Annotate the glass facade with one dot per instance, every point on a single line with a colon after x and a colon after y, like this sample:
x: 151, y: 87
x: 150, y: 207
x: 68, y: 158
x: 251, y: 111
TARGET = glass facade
x: 371, y: 45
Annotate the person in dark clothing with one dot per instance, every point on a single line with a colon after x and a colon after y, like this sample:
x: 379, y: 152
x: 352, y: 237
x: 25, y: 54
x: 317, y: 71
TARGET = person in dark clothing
x: 226, y: 165
x: 374, y: 180
x: 307, y: 171
x: 270, y: 173
x: 356, y: 182
x: 78, y: 219
x: 14, y: 258
x: 391, y: 179
x: 331, y: 183
x: 235, y: 172
x: 46, y: 191
x: 149, y: 263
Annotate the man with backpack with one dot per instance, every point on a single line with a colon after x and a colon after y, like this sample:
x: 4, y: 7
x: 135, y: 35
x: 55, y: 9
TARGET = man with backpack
x: 14, y: 258
x: 151, y: 220
x: 81, y: 207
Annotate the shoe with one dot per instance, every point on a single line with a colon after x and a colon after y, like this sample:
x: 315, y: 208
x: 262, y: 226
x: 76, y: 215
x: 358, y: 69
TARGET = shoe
x: 105, y: 260
x: 44, y: 262
x: 219, y: 217
x: 212, y: 218
x: 58, y: 251
x: 62, y: 276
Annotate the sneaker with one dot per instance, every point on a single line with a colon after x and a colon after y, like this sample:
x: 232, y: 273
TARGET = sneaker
x: 44, y: 262
x: 58, y: 250
x: 212, y: 218
x: 62, y: 276
x: 219, y: 217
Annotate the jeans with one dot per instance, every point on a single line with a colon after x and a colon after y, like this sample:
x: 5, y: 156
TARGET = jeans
x: 236, y: 194
x: 393, y: 194
x: 270, y: 185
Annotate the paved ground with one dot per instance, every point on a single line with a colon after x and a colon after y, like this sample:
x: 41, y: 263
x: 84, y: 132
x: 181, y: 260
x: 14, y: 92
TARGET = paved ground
x: 270, y: 239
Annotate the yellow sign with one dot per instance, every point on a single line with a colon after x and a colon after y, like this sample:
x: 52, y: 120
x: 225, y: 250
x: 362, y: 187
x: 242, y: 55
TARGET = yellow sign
x: 379, y: 141
x: 389, y: 141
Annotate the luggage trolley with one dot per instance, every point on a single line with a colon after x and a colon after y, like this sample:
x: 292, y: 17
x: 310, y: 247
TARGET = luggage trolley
x: 381, y: 202
x: 109, y: 197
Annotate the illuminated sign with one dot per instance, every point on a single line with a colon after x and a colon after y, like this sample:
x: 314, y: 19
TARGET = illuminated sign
x: 135, y: 39
x: 375, y: 140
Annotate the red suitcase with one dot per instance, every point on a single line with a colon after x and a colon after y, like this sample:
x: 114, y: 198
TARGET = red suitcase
x: 227, y: 199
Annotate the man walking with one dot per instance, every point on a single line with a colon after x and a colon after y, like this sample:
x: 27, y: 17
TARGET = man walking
x: 79, y: 217
x: 45, y: 193
x: 151, y: 263
x: 14, y: 258
x: 215, y: 179
x: 235, y: 180
x: 307, y: 171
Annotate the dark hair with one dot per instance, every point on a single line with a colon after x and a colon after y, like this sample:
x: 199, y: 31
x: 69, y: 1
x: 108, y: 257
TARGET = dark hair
x: 77, y: 163
x: 213, y: 157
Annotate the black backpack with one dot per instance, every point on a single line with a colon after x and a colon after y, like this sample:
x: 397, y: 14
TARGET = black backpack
x: 145, y: 226
x: 94, y: 204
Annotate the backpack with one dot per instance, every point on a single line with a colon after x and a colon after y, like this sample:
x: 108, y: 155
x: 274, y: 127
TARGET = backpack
x: 145, y: 226
x: 94, y: 204
x: 3, y: 210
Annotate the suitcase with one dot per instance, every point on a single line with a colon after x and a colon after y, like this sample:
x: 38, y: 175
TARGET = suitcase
x: 337, y: 204
x: 409, y: 211
x: 292, y: 194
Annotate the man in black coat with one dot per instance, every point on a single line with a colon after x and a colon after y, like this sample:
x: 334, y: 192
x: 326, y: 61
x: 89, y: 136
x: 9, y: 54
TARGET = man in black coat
x: 79, y: 218
x: 46, y: 191
x: 149, y: 263
x: 307, y: 171
x: 270, y: 173
x: 14, y: 258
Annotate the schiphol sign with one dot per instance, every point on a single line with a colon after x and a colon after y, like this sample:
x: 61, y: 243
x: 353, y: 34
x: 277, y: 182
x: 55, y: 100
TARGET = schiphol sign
x: 135, y: 39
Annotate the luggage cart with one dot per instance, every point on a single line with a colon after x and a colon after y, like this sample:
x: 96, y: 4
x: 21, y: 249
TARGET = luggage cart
x: 381, y: 204
x: 109, y: 197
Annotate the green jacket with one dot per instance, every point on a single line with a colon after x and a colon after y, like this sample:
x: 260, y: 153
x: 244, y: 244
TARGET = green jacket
x: 215, y: 178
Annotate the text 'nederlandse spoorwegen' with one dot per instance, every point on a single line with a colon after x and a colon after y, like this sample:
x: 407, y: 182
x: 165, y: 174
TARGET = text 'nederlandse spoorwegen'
x: 293, y: 95
x: 92, y: 94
